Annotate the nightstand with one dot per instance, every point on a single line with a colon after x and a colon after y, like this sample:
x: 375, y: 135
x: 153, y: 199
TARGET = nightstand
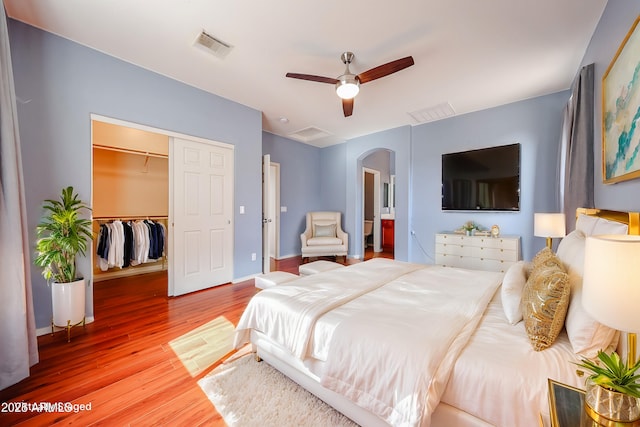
x: 566, y: 406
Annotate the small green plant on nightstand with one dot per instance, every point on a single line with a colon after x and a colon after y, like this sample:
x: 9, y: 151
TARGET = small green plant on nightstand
x: 614, y: 374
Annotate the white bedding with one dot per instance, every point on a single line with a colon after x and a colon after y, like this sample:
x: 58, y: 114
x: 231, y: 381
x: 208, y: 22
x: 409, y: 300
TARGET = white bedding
x: 507, y: 377
x: 394, y: 358
x: 394, y: 347
x: 288, y: 312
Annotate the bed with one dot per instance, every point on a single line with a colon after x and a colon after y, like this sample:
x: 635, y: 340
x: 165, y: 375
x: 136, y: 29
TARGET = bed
x: 394, y: 343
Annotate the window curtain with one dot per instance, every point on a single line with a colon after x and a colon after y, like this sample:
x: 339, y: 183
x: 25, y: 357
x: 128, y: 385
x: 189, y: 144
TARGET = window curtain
x: 18, y: 342
x: 576, y: 148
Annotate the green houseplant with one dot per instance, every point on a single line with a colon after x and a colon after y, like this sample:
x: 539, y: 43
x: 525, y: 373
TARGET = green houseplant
x: 62, y: 235
x: 613, y: 390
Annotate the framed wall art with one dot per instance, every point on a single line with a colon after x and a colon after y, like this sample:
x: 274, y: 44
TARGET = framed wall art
x: 621, y: 111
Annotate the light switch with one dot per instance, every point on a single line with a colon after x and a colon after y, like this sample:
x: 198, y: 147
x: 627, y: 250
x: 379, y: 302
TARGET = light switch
x: 283, y: 208
x: 241, y: 210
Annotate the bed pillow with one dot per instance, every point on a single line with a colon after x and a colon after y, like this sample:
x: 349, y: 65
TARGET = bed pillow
x: 591, y: 226
x: 586, y: 335
x: 512, y: 285
x: 328, y: 230
x: 545, y: 300
x: 545, y: 256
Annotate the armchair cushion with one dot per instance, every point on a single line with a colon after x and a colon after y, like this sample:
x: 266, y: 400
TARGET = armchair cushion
x: 324, y: 230
x: 324, y: 241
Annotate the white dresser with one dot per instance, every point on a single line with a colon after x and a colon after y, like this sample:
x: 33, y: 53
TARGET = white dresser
x: 477, y: 252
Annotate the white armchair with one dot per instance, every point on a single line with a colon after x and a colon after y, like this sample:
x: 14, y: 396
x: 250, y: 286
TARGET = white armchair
x: 324, y: 236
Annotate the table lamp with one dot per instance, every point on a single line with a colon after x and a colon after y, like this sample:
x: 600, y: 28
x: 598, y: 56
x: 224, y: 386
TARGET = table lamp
x: 549, y: 225
x: 611, y: 284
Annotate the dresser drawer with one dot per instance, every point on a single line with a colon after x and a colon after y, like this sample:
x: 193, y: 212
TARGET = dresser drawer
x: 495, y: 253
x: 497, y: 242
x: 460, y: 250
x: 477, y: 252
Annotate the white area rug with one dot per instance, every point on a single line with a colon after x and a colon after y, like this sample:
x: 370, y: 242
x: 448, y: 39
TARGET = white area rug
x: 250, y: 393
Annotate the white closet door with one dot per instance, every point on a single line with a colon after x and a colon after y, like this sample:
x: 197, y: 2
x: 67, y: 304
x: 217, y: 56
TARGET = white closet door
x: 202, y: 191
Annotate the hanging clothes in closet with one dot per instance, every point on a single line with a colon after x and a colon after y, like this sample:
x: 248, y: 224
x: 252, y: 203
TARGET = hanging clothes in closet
x: 129, y: 243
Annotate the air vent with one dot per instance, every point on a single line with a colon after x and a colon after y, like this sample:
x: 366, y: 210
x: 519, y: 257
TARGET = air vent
x: 431, y: 114
x: 309, y: 134
x: 212, y: 45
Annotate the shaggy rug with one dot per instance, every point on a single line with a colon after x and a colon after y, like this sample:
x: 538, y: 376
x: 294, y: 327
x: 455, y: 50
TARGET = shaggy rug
x: 202, y: 347
x: 250, y: 393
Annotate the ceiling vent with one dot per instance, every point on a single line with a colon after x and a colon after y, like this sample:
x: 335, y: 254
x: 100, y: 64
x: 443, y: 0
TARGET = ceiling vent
x: 212, y: 45
x: 309, y: 134
x: 431, y: 114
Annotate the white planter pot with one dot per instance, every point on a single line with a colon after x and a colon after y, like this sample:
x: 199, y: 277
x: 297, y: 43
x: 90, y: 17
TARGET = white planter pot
x: 68, y: 300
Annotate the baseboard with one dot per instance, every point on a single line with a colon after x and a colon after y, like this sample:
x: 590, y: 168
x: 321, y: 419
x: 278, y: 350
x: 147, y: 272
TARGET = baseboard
x: 47, y: 329
x: 245, y: 278
x: 281, y: 257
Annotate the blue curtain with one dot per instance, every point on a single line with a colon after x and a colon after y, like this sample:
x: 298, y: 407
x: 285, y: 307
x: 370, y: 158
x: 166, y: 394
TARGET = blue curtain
x: 576, y: 153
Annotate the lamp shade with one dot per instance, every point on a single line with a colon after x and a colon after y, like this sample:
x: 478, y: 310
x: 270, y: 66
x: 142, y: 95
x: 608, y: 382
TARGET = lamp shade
x: 548, y: 225
x: 611, y: 282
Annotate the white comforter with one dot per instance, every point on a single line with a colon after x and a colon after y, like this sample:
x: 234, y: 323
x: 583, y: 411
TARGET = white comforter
x: 288, y: 312
x: 391, y: 331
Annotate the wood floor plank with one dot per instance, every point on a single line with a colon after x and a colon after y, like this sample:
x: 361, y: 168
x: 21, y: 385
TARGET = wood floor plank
x: 122, y: 363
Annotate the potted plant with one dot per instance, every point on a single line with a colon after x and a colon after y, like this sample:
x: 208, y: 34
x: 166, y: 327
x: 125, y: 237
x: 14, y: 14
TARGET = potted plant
x: 469, y: 227
x: 62, y: 235
x: 613, y: 390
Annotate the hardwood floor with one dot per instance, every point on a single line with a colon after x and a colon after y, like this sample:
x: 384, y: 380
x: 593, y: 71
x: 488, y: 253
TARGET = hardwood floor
x: 122, y: 365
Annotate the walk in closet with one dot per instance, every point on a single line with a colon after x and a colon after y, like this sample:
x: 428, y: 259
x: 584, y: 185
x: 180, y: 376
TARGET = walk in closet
x: 130, y: 206
x: 171, y: 192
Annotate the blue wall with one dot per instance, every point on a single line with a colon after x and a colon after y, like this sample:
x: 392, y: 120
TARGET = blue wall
x: 534, y: 123
x: 64, y: 83
x: 615, y: 23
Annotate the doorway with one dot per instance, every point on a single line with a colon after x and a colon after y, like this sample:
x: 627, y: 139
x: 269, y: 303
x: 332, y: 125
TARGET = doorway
x: 270, y: 213
x: 371, y: 207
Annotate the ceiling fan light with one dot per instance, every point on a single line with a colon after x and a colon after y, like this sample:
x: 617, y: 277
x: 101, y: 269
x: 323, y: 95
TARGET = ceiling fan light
x: 348, y: 87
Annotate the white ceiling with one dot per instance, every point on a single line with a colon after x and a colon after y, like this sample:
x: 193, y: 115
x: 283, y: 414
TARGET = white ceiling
x: 472, y: 54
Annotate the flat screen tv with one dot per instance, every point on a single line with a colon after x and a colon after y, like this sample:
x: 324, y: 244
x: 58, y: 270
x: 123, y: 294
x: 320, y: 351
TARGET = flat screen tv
x: 487, y: 179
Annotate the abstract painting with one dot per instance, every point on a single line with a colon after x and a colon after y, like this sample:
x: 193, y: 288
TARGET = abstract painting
x: 621, y: 111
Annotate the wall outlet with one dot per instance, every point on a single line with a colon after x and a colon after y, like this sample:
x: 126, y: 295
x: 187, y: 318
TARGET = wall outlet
x: 253, y: 256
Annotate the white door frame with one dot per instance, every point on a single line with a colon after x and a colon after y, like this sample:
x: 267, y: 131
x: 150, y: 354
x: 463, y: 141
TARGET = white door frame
x: 274, y: 195
x: 377, y: 247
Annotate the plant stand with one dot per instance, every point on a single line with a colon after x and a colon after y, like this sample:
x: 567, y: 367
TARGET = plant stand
x: 68, y: 327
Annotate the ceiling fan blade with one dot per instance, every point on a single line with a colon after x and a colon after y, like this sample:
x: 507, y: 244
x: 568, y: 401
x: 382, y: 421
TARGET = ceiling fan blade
x: 312, y: 78
x: 385, y: 69
x: 347, y: 107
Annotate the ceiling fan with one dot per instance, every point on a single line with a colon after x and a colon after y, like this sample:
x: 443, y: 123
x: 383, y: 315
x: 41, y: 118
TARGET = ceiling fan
x: 348, y: 84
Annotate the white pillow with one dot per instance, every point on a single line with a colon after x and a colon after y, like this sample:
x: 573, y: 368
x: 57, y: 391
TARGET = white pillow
x: 571, y: 251
x: 328, y: 230
x: 587, y: 336
x: 512, y: 285
x: 593, y: 226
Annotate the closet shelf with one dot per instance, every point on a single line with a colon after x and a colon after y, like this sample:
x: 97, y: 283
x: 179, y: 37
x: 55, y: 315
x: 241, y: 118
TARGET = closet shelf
x: 130, y: 151
x: 128, y: 217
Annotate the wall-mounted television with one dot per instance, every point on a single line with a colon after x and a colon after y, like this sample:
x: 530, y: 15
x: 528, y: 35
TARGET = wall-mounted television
x: 487, y: 179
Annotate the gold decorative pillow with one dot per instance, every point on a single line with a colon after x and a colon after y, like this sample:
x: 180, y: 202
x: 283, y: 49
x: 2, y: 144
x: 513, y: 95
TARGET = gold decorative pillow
x: 545, y: 257
x: 545, y: 300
